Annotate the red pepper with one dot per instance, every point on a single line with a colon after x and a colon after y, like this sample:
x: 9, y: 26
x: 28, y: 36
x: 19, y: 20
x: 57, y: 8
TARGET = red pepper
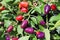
x: 10, y: 28
x: 24, y: 10
x: 23, y: 4
x: 19, y: 18
x: 2, y: 8
x: 14, y: 38
x: 53, y: 7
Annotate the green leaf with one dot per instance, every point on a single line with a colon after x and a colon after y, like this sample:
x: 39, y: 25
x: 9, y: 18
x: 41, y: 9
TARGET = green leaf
x: 16, y: 1
x: 34, y: 20
x: 51, y: 23
x: 3, y: 16
x: 32, y: 11
x: 37, y: 9
x: 4, y: 3
x: 42, y: 8
x: 7, y: 16
x: 58, y: 7
x: 58, y: 29
x: 35, y: 38
x: 24, y: 38
x: 32, y: 24
x: 5, y: 11
x: 1, y: 29
x: 7, y: 23
x: 30, y: 3
x: 56, y: 36
x: 47, y: 34
x: 54, y: 18
x: 8, y: 0
x: 56, y: 25
x: 41, y: 27
x: 39, y: 18
x: 19, y: 30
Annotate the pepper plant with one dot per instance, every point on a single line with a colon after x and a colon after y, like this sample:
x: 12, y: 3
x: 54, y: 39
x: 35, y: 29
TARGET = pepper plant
x: 29, y: 19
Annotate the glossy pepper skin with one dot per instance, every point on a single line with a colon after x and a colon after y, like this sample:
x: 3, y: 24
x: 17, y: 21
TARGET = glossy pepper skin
x: 24, y: 10
x: 23, y: 4
x: 10, y: 28
x: 47, y: 8
x: 40, y: 35
x: 24, y: 24
x: 53, y: 7
x: 19, y: 18
x: 42, y: 22
x: 14, y: 38
x: 7, y: 37
x: 29, y: 30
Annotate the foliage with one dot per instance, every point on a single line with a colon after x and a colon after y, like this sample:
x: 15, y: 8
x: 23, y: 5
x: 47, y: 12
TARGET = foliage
x: 34, y: 15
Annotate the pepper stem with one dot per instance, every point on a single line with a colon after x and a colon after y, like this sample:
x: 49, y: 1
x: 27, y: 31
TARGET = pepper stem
x: 47, y: 24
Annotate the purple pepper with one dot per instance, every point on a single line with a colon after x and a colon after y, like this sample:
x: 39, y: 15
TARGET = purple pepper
x: 47, y: 8
x: 40, y: 35
x: 7, y: 37
x: 29, y: 30
x: 24, y: 24
x: 42, y: 22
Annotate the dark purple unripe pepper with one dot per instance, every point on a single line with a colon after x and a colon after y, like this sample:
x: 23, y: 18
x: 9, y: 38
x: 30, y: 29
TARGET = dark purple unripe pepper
x: 40, y: 35
x: 24, y: 24
x: 47, y: 8
x: 42, y: 22
x: 29, y: 30
x: 7, y: 37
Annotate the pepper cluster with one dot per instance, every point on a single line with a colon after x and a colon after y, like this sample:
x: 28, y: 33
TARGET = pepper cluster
x: 23, y: 6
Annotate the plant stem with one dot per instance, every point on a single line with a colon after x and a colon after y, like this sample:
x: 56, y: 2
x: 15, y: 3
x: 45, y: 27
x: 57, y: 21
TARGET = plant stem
x: 29, y: 13
x: 47, y: 24
x: 24, y: 0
